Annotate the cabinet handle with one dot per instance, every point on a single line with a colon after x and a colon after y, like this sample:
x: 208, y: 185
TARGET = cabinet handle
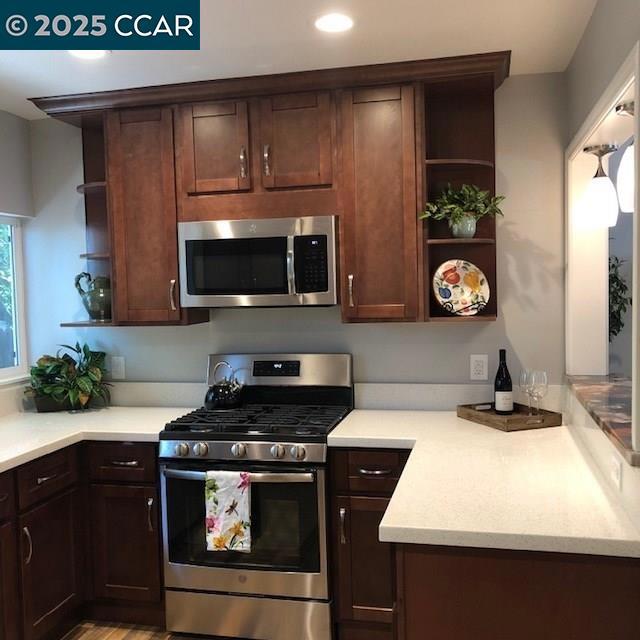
x: 343, y: 535
x: 4, y: 497
x: 266, y: 159
x: 172, y: 295
x: 376, y: 473
x: 243, y: 162
x: 350, y: 280
x: 149, y: 511
x: 125, y: 463
x: 27, y: 535
x: 44, y: 479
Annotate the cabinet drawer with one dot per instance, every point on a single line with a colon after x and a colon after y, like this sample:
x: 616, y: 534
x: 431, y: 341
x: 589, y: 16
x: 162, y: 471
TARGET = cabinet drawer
x: 122, y: 462
x: 42, y: 478
x: 370, y: 471
x: 7, y: 496
x: 365, y: 632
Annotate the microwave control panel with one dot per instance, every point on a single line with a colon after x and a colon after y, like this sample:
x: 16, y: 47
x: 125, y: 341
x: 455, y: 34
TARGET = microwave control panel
x: 311, y: 267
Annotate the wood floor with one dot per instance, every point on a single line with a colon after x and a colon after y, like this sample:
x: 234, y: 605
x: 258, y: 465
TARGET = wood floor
x: 104, y: 631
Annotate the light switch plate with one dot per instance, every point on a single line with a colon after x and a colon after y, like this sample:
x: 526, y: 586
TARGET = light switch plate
x: 479, y: 367
x: 117, y: 368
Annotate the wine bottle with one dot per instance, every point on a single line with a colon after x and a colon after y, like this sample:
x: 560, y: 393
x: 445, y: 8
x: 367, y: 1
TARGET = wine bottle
x: 503, y: 387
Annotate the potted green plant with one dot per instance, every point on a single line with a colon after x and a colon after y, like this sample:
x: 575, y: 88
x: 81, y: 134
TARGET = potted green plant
x: 462, y: 208
x: 67, y: 381
x: 619, y: 297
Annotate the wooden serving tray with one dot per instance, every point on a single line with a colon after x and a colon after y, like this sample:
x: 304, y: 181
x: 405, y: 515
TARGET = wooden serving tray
x: 520, y: 420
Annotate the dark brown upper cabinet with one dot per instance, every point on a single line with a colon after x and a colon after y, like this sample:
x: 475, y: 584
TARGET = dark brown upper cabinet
x: 379, y: 222
x: 213, y: 148
x: 141, y: 184
x: 296, y: 140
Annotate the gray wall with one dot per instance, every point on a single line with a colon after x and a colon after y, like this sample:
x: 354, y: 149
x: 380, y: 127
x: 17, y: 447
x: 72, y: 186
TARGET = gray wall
x: 612, y: 32
x: 15, y: 181
x: 530, y: 137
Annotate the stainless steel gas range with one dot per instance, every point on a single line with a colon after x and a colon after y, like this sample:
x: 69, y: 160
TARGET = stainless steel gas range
x: 280, y: 589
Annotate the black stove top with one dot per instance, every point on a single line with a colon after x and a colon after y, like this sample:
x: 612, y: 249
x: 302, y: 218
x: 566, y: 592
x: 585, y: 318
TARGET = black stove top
x: 258, y: 422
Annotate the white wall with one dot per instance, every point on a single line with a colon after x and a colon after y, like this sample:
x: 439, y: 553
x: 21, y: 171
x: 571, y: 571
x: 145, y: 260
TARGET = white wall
x: 612, y: 32
x: 530, y: 136
x: 15, y: 180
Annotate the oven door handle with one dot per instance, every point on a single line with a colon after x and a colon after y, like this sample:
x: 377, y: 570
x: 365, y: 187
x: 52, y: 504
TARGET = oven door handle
x: 256, y: 478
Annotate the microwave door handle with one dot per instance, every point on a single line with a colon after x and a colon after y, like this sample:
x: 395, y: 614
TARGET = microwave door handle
x: 291, y: 266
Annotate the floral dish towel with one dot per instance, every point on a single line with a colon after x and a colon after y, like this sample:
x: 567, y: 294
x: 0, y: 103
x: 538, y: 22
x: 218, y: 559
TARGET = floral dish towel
x: 228, y: 511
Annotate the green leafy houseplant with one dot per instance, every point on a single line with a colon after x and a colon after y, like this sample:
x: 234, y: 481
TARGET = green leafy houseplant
x: 67, y: 381
x: 619, y: 297
x: 457, y: 206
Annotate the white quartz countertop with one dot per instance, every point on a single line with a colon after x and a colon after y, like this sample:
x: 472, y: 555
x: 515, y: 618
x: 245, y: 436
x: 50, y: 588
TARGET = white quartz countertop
x: 27, y: 436
x: 469, y: 485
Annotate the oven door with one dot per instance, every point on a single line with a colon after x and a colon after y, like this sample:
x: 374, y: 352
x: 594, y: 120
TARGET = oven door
x: 288, y: 529
x: 246, y: 263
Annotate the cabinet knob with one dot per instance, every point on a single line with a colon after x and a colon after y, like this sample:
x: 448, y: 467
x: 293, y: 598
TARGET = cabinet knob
x: 266, y: 159
x: 149, y: 514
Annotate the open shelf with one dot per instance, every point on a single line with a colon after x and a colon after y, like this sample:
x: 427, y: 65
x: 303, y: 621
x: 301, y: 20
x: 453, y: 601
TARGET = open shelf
x: 452, y: 162
x: 96, y: 256
x: 91, y: 187
x: 487, y: 317
x: 461, y: 241
x: 88, y: 323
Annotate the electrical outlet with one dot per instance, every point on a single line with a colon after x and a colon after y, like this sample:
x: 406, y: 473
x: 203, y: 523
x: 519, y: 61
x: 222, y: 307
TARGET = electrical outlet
x: 117, y: 368
x: 479, y: 367
x: 615, y: 472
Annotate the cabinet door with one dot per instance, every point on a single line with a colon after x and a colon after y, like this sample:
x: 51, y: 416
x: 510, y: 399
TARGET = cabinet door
x: 50, y: 547
x: 143, y: 212
x: 380, y: 265
x: 296, y: 133
x: 9, y: 603
x: 125, y: 549
x: 364, y: 566
x: 213, y: 147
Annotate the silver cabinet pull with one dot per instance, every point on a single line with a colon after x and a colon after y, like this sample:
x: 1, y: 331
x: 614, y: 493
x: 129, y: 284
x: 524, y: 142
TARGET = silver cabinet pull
x: 266, y: 159
x: 172, y: 295
x: 376, y: 473
x: 125, y: 463
x: 4, y: 497
x: 149, y: 511
x: 350, y: 280
x: 44, y: 479
x: 243, y: 162
x: 27, y: 535
x: 343, y: 535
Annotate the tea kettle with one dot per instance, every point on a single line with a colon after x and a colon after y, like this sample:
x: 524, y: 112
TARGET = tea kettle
x: 97, y: 298
x: 225, y: 394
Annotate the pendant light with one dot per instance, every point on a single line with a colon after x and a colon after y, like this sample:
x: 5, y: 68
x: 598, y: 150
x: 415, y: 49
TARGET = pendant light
x: 626, y: 178
x: 600, y: 198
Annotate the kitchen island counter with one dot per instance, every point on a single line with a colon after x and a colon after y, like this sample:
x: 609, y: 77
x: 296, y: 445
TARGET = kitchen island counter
x: 468, y: 485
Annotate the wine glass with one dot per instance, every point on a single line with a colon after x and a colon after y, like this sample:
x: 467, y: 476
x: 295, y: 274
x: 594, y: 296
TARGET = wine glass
x: 539, y: 387
x: 525, y: 385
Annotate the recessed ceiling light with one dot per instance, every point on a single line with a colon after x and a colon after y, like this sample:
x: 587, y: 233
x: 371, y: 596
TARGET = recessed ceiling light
x: 93, y: 54
x: 334, y: 23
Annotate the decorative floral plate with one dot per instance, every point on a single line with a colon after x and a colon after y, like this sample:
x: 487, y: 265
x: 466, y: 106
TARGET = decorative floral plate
x: 461, y: 288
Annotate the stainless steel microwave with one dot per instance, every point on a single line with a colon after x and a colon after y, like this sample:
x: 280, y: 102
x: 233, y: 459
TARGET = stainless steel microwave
x: 277, y: 262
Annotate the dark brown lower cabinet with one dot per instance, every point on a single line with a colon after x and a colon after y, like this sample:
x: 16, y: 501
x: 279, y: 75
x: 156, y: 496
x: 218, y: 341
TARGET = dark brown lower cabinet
x: 125, y: 544
x: 488, y: 594
x: 51, y: 564
x: 9, y: 601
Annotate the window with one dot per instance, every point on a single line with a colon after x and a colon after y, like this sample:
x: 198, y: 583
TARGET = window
x: 13, y: 357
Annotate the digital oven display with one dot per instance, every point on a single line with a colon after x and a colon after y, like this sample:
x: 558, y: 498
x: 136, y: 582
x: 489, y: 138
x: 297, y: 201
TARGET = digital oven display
x: 276, y: 368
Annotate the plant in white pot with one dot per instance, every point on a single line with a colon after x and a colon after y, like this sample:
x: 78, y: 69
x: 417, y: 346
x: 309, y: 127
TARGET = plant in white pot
x: 462, y: 208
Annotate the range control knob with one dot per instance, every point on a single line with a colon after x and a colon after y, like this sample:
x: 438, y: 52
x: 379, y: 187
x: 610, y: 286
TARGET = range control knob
x: 182, y: 449
x: 298, y: 452
x: 201, y: 449
x: 278, y: 451
x: 239, y: 450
